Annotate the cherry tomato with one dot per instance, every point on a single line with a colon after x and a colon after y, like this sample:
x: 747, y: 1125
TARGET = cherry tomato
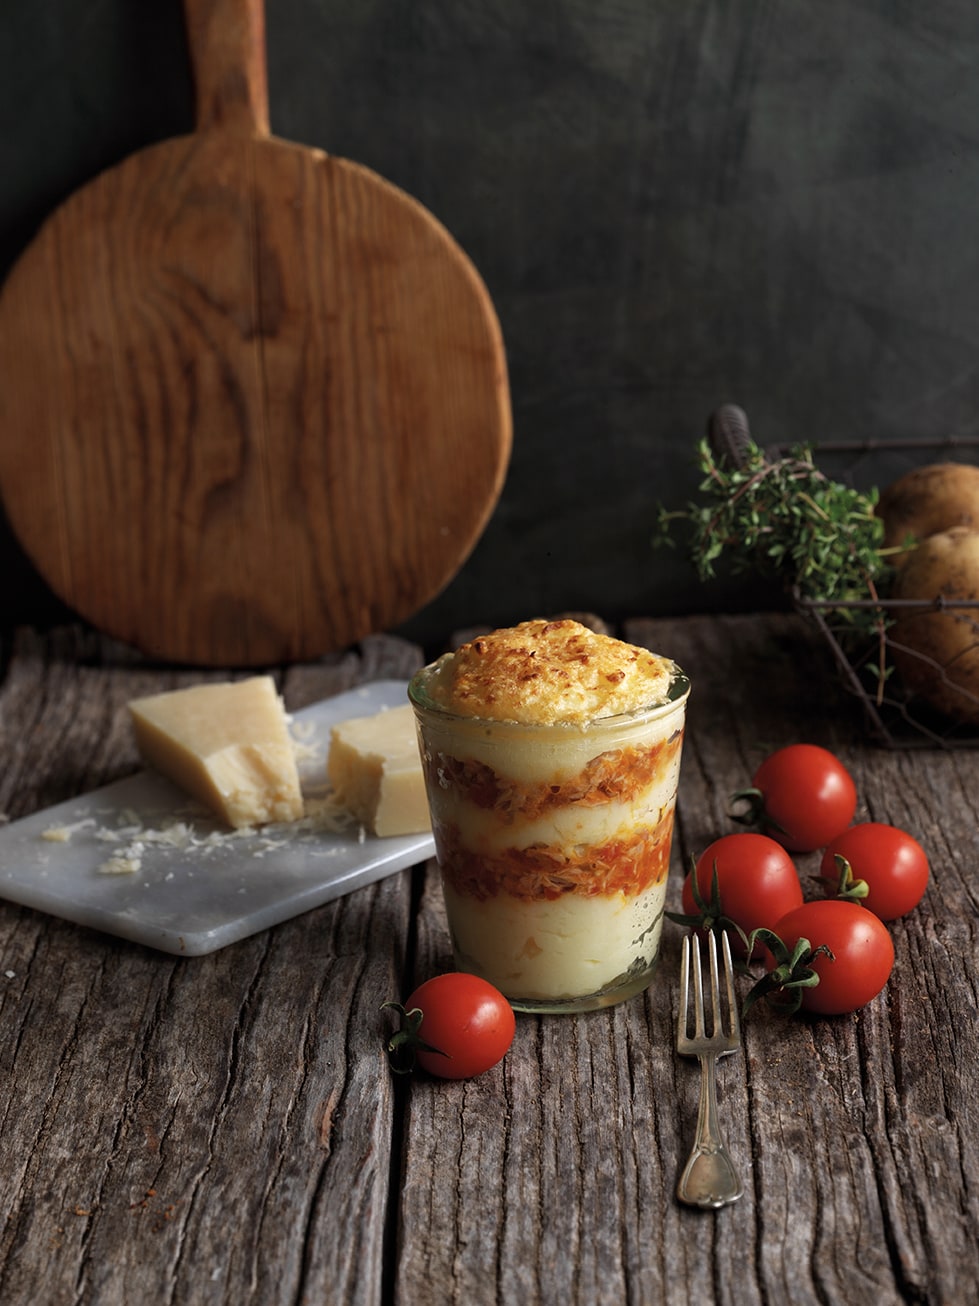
x: 756, y: 880
x: 861, y: 947
x: 890, y: 865
x: 804, y: 796
x: 466, y: 1026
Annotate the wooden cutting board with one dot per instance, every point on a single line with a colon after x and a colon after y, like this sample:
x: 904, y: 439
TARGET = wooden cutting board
x: 253, y: 398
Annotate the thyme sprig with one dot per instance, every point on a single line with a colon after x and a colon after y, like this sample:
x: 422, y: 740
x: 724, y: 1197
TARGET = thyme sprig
x: 784, y: 518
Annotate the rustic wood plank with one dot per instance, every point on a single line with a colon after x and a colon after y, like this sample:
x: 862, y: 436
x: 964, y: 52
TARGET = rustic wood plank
x: 854, y: 1088
x: 204, y: 1129
x: 551, y: 1178
x: 225, y: 1128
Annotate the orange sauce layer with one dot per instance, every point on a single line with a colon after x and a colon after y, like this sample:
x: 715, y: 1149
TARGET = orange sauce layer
x: 614, y: 776
x: 542, y: 871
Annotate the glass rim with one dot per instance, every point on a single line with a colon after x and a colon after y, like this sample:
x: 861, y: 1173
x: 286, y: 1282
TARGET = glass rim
x: 677, y: 692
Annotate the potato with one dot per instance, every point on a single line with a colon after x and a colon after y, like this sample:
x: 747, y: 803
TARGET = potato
x: 928, y: 500
x: 936, y: 652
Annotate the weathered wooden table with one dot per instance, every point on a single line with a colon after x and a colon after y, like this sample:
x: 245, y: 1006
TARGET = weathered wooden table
x: 226, y: 1129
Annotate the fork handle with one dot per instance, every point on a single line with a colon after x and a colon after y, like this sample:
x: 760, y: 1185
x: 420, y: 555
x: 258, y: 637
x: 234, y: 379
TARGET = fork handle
x: 709, y: 1178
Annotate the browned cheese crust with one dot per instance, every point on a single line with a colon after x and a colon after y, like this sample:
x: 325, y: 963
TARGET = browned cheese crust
x: 549, y: 672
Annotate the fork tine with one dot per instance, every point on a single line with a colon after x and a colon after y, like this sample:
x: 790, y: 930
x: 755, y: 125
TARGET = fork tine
x: 732, y: 1000
x: 715, y: 990
x: 698, y: 993
x: 684, y: 988
x: 720, y: 1025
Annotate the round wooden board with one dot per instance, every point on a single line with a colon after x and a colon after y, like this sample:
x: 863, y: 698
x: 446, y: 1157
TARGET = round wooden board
x: 254, y: 401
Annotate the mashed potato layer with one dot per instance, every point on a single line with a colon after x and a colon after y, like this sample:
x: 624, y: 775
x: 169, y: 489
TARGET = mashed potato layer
x: 557, y: 950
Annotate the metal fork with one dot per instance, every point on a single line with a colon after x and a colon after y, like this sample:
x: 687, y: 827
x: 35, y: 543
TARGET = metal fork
x: 709, y: 1178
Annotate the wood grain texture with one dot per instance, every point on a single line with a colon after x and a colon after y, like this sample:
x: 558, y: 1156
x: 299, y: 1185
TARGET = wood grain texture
x: 225, y: 1129
x: 255, y: 403
x: 552, y: 1178
x: 147, y: 1081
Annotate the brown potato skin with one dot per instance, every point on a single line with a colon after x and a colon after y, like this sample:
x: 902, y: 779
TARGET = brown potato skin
x: 945, y: 564
x: 926, y: 501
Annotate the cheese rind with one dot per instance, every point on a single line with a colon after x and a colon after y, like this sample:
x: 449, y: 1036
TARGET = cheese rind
x: 375, y: 770
x: 226, y: 745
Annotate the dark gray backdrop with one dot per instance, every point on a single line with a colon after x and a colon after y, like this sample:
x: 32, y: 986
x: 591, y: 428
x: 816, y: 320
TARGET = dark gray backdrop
x: 672, y: 202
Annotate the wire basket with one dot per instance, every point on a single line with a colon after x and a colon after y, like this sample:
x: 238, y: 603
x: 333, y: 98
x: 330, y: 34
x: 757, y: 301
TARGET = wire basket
x: 896, y: 715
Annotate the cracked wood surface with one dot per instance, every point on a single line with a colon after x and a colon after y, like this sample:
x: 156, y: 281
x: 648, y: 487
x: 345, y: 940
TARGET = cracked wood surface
x: 224, y: 1129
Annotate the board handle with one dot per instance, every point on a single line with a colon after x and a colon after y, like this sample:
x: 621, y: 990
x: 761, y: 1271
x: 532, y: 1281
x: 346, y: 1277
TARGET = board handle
x: 227, y: 55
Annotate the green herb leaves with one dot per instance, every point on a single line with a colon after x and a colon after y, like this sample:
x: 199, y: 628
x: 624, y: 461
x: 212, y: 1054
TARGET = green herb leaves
x: 786, y: 519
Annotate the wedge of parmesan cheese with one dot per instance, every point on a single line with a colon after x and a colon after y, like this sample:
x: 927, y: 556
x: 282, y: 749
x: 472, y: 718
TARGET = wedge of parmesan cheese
x: 375, y: 770
x: 227, y: 745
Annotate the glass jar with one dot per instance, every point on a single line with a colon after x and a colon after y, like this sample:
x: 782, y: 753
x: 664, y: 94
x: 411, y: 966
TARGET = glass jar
x: 553, y: 844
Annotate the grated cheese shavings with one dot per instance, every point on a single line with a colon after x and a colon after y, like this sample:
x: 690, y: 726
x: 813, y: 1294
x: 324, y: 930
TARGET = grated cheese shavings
x: 63, y: 833
x: 123, y: 864
x: 128, y: 840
